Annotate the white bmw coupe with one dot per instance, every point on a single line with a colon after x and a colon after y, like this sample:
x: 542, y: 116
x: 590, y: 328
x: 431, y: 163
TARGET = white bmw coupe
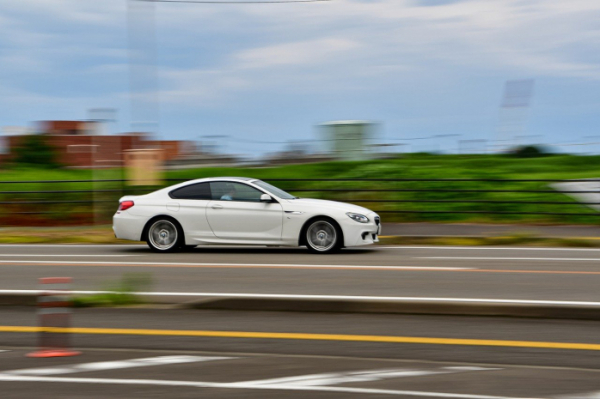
x: 239, y: 210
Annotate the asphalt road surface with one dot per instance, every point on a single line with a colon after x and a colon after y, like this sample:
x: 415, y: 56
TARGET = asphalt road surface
x: 141, y: 353
x: 558, y: 274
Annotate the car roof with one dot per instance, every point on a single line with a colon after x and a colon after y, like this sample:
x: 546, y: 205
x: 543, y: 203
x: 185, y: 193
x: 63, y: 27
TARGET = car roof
x: 227, y: 178
x: 233, y: 178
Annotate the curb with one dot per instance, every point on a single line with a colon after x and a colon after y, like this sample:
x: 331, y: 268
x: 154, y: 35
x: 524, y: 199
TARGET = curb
x: 445, y: 308
x: 491, y: 308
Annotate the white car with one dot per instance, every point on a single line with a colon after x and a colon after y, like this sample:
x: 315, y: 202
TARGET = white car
x: 239, y: 210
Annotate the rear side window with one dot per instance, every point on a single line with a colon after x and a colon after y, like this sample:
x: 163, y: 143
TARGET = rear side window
x: 232, y: 191
x: 199, y: 191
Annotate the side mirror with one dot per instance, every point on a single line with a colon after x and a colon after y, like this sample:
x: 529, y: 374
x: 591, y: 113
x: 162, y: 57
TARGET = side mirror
x: 265, y: 198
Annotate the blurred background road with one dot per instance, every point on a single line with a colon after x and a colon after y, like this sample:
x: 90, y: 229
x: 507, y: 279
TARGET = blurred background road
x: 556, y: 274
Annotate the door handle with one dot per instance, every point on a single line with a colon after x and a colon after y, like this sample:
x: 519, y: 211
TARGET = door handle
x: 217, y: 206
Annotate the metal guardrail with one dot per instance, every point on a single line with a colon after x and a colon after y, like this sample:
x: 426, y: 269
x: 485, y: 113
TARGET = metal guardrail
x: 82, y: 197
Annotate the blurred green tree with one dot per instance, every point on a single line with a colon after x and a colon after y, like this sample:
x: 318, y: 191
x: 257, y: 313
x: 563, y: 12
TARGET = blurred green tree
x: 34, y: 150
x: 530, y: 151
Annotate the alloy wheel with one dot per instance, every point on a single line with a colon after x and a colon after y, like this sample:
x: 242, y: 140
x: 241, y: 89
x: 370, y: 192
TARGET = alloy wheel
x: 163, y: 235
x: 321, y: 236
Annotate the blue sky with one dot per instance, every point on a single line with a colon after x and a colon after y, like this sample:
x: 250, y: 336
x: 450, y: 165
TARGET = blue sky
x: 270, y: 73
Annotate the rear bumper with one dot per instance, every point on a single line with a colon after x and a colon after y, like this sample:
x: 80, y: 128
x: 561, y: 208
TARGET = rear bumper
x: 127, y: 227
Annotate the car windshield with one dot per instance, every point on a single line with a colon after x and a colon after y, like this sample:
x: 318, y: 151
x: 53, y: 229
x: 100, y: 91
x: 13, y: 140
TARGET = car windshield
x: 274, y: 190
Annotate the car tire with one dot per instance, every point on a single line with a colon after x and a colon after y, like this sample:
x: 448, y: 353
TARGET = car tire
x: 323, y: 236
x: 165, y: 235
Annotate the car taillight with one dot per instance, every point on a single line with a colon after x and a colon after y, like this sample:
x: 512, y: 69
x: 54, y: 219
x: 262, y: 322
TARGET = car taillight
x: 123, y: 206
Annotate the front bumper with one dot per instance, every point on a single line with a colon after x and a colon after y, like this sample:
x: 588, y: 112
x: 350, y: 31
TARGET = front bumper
x: 356, y: 234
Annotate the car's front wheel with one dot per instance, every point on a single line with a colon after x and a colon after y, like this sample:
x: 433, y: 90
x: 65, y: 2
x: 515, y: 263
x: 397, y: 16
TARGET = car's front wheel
x: 164, y: 235
x: 323, y: 236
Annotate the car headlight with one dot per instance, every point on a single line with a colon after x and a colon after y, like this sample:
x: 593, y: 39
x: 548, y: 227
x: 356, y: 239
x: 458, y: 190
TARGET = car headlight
x: 357, y: 217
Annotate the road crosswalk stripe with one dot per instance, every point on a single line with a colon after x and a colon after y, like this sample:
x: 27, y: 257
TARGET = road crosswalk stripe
x: 282, y: 387
x: 327, y: 379
x: 113, y: 365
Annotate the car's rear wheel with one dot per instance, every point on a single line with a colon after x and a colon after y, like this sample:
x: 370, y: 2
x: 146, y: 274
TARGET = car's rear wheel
x: 164, y: 235
x: 323, y: 236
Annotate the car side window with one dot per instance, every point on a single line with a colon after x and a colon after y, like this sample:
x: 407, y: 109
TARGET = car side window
x: 200, y: 191
x: 231, y: 191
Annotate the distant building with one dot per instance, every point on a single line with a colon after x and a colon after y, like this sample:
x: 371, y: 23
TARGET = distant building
x: 82, y: 144
x: 174, y: 149
x: 348, y: 140
x: 91, y: 151
x: 79, y: 151
x: 11, y: 131
x: 62, y: 127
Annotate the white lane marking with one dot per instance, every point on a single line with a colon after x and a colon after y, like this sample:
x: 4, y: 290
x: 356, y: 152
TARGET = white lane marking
x: 57, y: 255
x: 327, y: 297
x: 282, y: 387
x: 493, y: 248
x: 508, y: 258
x: 589, y: 395
x: 264, y: 246
x: 328, y: 379
x: 113, y: 365
x: 241, y: 265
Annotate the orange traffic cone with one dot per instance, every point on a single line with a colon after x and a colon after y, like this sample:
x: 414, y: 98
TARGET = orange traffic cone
x: 54, y: 311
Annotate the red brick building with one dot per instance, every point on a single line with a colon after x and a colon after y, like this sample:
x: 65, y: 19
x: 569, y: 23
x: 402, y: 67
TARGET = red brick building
x: 78, y: 145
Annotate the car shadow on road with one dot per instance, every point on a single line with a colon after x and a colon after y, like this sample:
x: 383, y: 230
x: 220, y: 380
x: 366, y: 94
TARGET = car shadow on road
x: 249, y: 250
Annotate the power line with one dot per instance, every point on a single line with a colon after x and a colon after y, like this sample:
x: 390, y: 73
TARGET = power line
x: 237, y: 1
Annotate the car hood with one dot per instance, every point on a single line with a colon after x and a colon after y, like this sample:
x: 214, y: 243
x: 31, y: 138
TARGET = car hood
x: 309, y: 203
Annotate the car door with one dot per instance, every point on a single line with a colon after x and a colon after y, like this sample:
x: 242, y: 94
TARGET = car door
x: 188, y: 204
x: 237, y: 213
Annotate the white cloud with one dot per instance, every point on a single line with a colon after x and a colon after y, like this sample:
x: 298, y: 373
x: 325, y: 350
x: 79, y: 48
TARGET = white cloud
x: 67, y: 11
x: 217, y: 56
x: 310, y: 52
x: 328, y: 45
